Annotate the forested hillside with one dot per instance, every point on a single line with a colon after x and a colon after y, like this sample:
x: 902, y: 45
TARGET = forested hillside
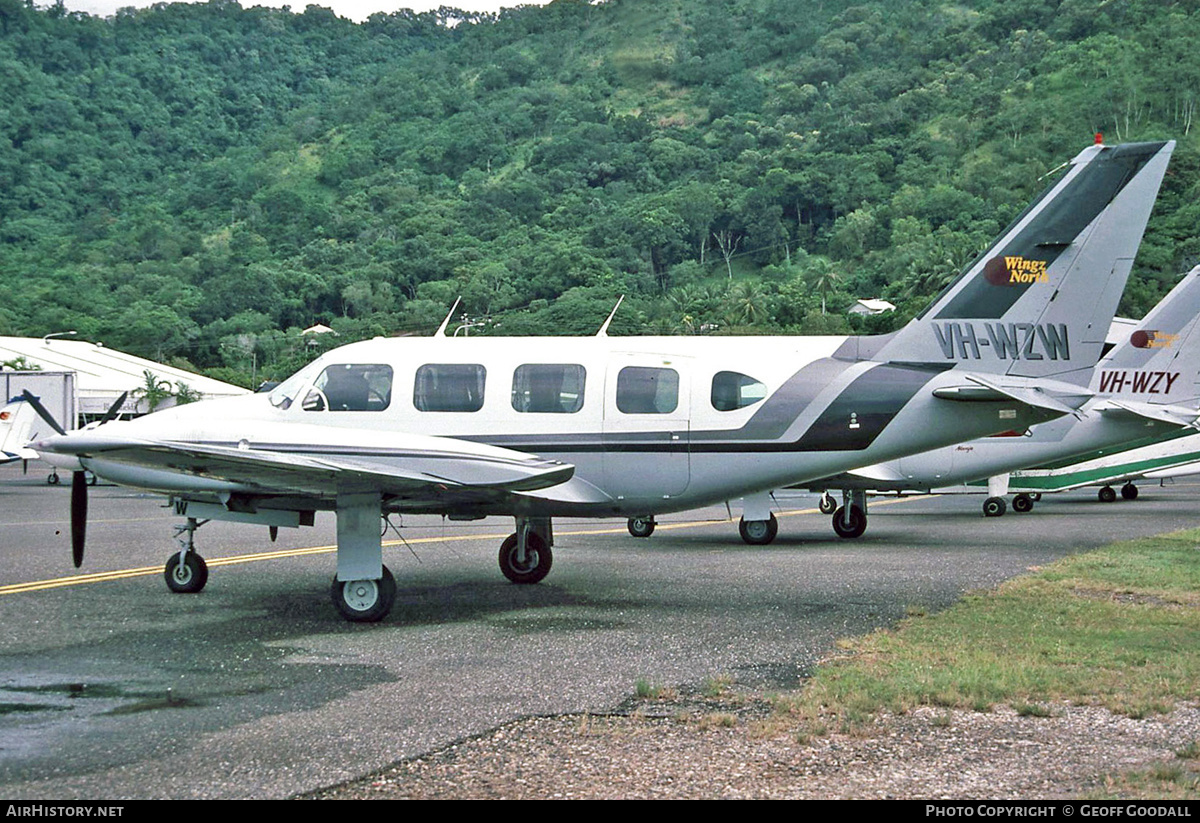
x: 199, y: 182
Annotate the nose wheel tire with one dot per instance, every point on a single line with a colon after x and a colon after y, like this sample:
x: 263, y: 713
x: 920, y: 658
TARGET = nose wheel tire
x: 1107, y: 494
x: 530, y: 569
x: 1022, y: 503
x: 1129, y: 492
x: 827, y: 505
x: 364, y: 601
x: 187, y: 577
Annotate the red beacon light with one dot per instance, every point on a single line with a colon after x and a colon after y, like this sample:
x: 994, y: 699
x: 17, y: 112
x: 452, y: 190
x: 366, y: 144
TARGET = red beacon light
x: 1099, y: 139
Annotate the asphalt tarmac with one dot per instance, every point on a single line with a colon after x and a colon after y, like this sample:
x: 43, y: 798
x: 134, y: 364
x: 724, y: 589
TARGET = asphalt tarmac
x: 113, y: 688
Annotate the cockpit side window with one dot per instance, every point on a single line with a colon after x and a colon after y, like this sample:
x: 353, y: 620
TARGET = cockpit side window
x: 732, y: 390
x: 351, y: 387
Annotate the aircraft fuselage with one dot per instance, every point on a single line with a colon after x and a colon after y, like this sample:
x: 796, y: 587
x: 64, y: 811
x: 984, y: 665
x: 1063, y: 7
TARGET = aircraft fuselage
x: 651, y: 424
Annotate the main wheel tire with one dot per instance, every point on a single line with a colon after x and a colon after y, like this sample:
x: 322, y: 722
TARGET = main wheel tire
x: 641, y: 526
x: 854, y: 528
x: 536, y: 565
x: 1022, y: 503
x: 1107, y: 494
x: 994, y: 507
x: 758, y: 532
x: 827, y: 504
x: 1129, y: 491
x: 364, y: 601
x: 187, y: 577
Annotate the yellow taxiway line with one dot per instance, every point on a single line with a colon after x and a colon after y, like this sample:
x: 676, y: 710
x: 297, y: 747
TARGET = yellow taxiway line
x: 146, y: 571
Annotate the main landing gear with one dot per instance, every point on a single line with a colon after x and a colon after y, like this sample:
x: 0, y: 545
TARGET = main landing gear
x: 758, y: 532
x: 1108, y: 494
x: 1021, y: 503
x: 364, y: 601
x: 850, y: 519
x: 641, y: 526
x: 525, y: 555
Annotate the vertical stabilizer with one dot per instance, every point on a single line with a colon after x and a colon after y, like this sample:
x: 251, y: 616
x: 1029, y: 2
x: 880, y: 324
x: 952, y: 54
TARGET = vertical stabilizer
x: 19, y: 425
x: 1160, y: 362
x: 1038, y: 302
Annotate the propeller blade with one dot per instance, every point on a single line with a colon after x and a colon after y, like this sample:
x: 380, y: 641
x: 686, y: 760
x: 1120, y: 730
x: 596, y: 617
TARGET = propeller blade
x: 114, y: 409
x: 41, y: 410
x: 78, y: 515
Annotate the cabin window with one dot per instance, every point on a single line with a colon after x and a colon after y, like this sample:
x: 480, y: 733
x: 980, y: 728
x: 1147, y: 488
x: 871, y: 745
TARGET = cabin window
x: 732, y: 390
x: 646, y: 390
x: 449, y: 387
x: 351, y: 387
x: 548, y: 388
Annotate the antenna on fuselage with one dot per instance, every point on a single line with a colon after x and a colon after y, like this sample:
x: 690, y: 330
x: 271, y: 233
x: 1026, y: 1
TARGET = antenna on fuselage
x: 442, y: 328
x: 604, y: 329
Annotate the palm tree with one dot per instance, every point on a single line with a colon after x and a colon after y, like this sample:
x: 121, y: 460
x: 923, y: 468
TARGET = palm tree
x: 821, y: 277
x: 746, y: 303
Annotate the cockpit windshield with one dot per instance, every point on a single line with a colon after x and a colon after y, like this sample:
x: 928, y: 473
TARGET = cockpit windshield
x: 281, y: 396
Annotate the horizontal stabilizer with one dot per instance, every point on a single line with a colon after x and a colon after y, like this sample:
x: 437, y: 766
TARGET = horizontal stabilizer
x: 1173, y: 415
x: 1060, y: 398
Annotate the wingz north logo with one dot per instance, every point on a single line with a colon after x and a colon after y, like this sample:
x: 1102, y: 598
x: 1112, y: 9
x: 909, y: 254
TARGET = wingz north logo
x: 1010, y: 341
x: 1137, y: 382
x: 1152, y: 339
x: 1013, y: 270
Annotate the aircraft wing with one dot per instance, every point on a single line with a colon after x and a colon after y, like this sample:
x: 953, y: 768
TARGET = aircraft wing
x: 446, y: 470
x: 1182, y: 470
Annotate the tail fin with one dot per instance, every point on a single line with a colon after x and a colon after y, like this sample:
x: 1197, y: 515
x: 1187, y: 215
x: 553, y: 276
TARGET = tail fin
x: 1160, y: 362
x: 1038, y: 302
x: 19, y: 425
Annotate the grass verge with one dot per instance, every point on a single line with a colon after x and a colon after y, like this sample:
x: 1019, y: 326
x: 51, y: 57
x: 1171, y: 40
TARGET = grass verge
x: 1116, y: 627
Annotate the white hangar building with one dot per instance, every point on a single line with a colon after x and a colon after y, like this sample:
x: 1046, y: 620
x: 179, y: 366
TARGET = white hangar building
x: 79, y: 381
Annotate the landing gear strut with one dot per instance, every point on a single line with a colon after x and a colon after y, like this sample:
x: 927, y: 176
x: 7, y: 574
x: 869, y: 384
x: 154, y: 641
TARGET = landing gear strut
x: 186, y: 572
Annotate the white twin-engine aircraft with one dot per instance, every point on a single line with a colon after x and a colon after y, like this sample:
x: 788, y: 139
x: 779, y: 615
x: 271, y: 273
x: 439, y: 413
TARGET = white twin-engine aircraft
x: 538, y: 428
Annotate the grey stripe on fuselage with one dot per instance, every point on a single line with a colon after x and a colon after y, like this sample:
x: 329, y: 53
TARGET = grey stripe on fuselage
x: 791, y: 419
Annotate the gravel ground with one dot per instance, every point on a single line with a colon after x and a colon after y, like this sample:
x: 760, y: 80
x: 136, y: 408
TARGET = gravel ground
x: 699, y: 749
